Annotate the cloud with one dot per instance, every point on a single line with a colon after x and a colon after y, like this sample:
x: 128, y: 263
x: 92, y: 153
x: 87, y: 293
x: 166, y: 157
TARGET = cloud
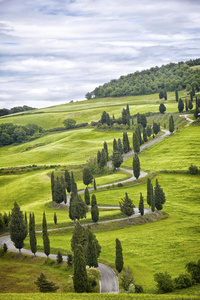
x: 55, y: 51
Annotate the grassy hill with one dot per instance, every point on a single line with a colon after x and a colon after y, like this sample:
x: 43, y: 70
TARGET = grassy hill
x: 164, y: 245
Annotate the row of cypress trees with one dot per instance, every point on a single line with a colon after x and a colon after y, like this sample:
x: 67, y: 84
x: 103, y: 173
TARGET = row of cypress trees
x: 155, y: 197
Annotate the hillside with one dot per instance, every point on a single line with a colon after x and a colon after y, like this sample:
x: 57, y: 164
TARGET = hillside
x: 168, y: 77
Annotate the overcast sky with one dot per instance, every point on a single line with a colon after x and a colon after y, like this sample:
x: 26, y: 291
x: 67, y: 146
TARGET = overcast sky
x: 54, y: 51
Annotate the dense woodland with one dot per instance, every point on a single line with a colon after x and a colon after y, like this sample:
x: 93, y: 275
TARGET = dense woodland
x: 168, y: 77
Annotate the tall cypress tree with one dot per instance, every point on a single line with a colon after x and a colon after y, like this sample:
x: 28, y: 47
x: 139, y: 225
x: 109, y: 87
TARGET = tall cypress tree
x: 126, y: 206
x: 17, y: 227
x: 94, y: 209
x: 180, y: 105
x: 138, y: 132
x: 87, y: 196
x: 80, y: 278
x: 105, y: 146
x: 91, y: 252
x: 119, y: 146
x: 136, y: 166
x: 78, y: 236
x: 115, y: 148
x: 171, y: 124
x: 52, y: 185
x: 46, y: 241
x: 149, y: 193
x: 67, y: 181
x: 176, y: 95
x: 95, y: 187
x: 103, y: 159
x: 73, y: 184
x: 152, y: 199
x: 141, y: 205
x: 159, y: 196
x: 136, y: 144
x: 87, y: 176
x: 145, y: 135
x: 98, y: 157
x: 32, y: 236
x: 119, y: 263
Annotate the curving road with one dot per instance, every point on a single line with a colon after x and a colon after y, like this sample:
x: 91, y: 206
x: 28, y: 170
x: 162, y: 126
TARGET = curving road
x: 109, y: 281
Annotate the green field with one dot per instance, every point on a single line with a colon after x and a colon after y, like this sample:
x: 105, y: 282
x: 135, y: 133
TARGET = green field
x: 164, y: 245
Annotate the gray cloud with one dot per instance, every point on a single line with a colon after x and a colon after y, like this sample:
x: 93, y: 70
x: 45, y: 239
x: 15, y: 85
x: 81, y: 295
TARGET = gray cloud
x: 55, y: 51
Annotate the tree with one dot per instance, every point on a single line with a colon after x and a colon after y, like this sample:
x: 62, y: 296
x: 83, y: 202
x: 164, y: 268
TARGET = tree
x: 103, y: 117
x: 67, y: 181
x: 87, y: 196
x: 126, y: 145
x: 115, y: 148
x: 119, y: 146
x: 80, y: 279
x: 156, y: 128
x: 94, y: 209
x: 136, y: 144
x: 32, y: 236
x: 117, y: 159
x: 73, y: 184
x: 98, y: 157
x: 141, y: 205
x: 105, y: 146
x: 196, y: 112
x: 138, y: 132
x: 124, y: 116
x: 17, y: 227
x: 91, y: 253
x: 145, y: 135
x: 149, y: 131
x: 194, y: 269
x: 176, y: 95
x: 119, y: 263
x: 162, y: 108
x: 143, y: 120
x: 164, y: 281
x: 152, y: 199
x: 87, y: 176
x: 95, y: 187
x: 52, y: 185
x: 126, y: 206
x: 103, y: 160
x: 159, y: 196
x: 78, y: 208
x: 136, y: 166
x: 161, y: 94
x: 69, y: 123
x: 171, y: 124
x: 180, y: 105
x: 149, y: 191
x: 190, y: 106
x: 44, y: 285
x: 78, y: 237
x: 45, y: 236
x: 55, y: 218
x: 59, y: 190
x: 59, y: 258
x: 165, y: 94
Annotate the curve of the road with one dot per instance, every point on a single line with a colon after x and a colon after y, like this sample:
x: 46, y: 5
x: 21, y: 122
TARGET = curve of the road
x: 109, y: 281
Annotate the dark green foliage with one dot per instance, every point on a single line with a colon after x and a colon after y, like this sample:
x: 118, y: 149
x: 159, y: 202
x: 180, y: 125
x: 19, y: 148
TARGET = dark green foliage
x: 103, y: 160
x: 152, y: 199
x: 55, y: 218
x: 143, y: 120
x: 145, y: 135
x: 119, y: 263
x: 45, y: 236
x: 126, y: 206
x: 69, y: 260
x: 190, y: 106
x: 95, y: 187
x: 161, y: 94
x: 105, y: 146
x: 196, y: 112
x: 126, y: 144
x: 87, y: 196
x: 186, y: 104
x: 91, y: 252
x: 159, y: 196
x: 165, y: 283
x: 32, y: 235
x: 44, y: 285
x: 193, y: 91
x: 171, y: 124
x: 59, y: 190
x: 78, y: 208
x: 149, y: 131
x: 52, y: 185
x: 180, y: 105
x: 94, y: 201
x: 136, y: 144
x: 141, y: 205
x: 103, y: 117
x: 149, y: 191
x: 98, y: 157
x: 127, y: 279
x: 5, y: 248
x: 176, y: 95
x: 14, y: 110
x: 117, y: 159
x: 193, y: 169
x: 59, y: 257
x: 25, y: 219
x: 80, y: 279
x: 165, y: 94
x: 183, y: 281
x: 162, y: 108
x: 156, y: 127
x: 96, y: 243
x: 67, y: 181
x: 138, y: 118
x: 69, y: 123
x: 138, y: 289
x: 138, y: 132
x: 119, y: 146
x: 87, y: 176
x: 73, y: 184
x: 94, y: 209
x: 194, y: 270
x: 17, y: 227
x: 136, y: 166
x: 115, y: 147
x: 78, y: 237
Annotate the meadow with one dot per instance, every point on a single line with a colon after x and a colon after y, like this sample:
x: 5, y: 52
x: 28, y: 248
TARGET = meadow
x: 164, y: 245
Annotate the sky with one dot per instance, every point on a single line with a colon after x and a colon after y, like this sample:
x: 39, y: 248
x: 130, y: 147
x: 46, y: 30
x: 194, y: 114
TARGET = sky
x: 55, y: 51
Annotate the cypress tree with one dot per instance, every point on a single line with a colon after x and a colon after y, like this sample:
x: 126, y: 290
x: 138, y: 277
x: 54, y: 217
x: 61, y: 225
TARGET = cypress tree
x: 59, y: 190
x: 96, y: 243
x: 143, y: 120
x: 45, y: 236
x: 78, y: 236
x: 79, y: 208
x: 25, y: 219
x: 159, y: 196
x: 98, y: 157
x: 94, y: 210
x: 94, y: 200
x: 103, y: 117
x: 180, y: 105
x: 59, y: 258
x: 126, y: 144
x: 128, y: 112
x: 149, y: 191
x: 117, y: 159
x: 145, y: 135
x: 136, y: 166
x: 124, y: 116
x: 103, y: 159
x: 32, y: 236
x: 44, y: 285
x: 171, y: 124
x: 63, y: 186
x: 119, y: 263
x: 126, y: 206
x: 138, y: 132
x: 190, y: 106
x: 115, y: 148
x: 73, y: 184
x: 67, y: 181
x: 80, y: 278
x: 152, y: 199
x: 72, y: 207
x: 176, y: 95
x: 87, y: 196
x: 119, y: 146
x: 141, y: 205
x: 55, y: 218
x: 87, y: 175
x: 136, y: 144
x: 149, y: 131
x: 196, y: 112
x: 91, y: 252
x: 17, y: 227
x: 105, y: 146
x: 95, y: 187
x: 138, y: 118
x: 52, y: 185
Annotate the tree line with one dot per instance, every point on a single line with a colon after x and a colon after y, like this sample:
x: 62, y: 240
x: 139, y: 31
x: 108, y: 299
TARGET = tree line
x: 14, y: 110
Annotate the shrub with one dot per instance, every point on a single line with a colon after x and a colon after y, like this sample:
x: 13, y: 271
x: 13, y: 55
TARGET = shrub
x: 126, y: 279
x: 194, y: 270
x: 5, y: 248
x: 183, y: 281
x: 69, y: 260
x: 93, y: 278
x: 164, y: 281
x: 44, y: 285
x: 138, y: 289
x: 193, y: 169
x: 59, y: 258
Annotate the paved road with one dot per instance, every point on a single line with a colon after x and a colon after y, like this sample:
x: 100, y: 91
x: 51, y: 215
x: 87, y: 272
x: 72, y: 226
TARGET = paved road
x: 109, y: 281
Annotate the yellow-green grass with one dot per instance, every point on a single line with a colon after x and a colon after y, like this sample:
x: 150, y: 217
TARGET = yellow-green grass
x: 177, y: 152
x: 91, y: 110
x: 166, y: 245
x: 19, y: 272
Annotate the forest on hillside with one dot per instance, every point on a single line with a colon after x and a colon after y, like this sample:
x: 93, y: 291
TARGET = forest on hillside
x: 170, y: 77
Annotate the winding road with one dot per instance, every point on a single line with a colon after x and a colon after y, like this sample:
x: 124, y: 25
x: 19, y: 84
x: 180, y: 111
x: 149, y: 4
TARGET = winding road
x: 109, y: 281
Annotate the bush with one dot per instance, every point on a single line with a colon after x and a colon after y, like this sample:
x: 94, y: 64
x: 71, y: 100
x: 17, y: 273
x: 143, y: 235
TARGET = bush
x: 44, y: 285
x: 126, y: 279
x: 93, y: 278
x: 138, y: 289
x: 183, y: 281
x: 164, y: 281
x: 69, y: 260
x: 5, y: 248
x: 194, y: 270
x: 59, y: 258
x: 193, y: 169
